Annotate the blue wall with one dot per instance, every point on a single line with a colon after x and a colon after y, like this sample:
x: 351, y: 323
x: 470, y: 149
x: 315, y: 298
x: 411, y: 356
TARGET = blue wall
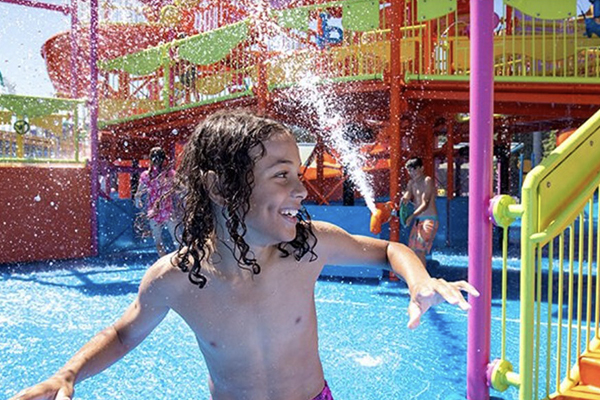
x: 116, y: 232
x: 115, y: 227
x: 451, y: 234
x: 354, y: 219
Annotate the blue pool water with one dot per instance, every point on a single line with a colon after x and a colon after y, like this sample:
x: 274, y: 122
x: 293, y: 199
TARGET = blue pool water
x: 50, y: 310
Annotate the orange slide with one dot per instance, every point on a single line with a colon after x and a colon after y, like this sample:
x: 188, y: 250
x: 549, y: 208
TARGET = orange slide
x: 115, y: 40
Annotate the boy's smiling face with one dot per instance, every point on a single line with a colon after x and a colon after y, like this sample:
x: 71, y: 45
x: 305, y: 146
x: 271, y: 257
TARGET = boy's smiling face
x: 277, y: 193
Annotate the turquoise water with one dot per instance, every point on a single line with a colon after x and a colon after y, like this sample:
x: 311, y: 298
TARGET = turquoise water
x: 50, y: 310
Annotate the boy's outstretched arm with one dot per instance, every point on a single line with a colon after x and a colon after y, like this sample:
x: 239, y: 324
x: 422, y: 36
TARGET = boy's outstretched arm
x: 341, y: 248
x: 425, y: 291
x: 107, y: 347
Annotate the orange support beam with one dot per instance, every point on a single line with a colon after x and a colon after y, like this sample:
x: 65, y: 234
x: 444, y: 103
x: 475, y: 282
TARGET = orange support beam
x: 260, y: 29
x: 398, y: 106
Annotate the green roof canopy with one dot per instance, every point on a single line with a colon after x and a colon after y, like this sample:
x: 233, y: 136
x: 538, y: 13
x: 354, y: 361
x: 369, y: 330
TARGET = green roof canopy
x: 358, y: 15
x: 361, y: 16
x: 209, y: 47
x: 202, y: 49
x: 32, y: 107
x: 431, y: 9
x: 294, y: 18
x: 545, y: 9
x: 141, y: 63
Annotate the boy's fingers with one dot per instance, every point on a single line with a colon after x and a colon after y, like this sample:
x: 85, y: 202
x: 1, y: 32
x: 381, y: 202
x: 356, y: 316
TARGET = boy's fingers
x: 427, y: 292
x: 457, y: 298
x: 442, y: 291
x: 63, y: 394
x: 450, y: 292
x: 467, y: 287
x: 447, y: 292
x: 414, y: 315
x: 453, y: 295
x: 464, y: 305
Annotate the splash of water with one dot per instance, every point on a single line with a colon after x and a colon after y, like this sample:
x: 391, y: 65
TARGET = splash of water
x: 329, y: 118
x: 331, y: 123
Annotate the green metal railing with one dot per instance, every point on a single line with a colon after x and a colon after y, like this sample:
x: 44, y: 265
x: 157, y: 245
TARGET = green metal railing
x: 560, y: 297
x: 184, y: 73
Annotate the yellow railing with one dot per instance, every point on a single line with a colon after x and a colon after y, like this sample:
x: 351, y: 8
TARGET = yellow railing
x: 560, y: 297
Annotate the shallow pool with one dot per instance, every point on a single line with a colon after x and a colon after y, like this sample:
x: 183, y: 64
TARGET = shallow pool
x: 50, y: 310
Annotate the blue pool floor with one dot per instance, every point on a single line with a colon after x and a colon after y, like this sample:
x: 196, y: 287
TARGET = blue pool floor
x: 51, y: 309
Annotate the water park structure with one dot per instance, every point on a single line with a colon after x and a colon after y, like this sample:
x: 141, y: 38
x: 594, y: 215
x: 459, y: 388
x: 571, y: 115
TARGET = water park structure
x: 405, y: 77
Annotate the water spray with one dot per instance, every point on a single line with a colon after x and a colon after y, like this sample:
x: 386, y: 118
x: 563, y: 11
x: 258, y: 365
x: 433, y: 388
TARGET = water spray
x: 331, y: 123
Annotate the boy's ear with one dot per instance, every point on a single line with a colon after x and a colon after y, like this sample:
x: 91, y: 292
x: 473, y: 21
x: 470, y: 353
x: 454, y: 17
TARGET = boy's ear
x: 212, y: 183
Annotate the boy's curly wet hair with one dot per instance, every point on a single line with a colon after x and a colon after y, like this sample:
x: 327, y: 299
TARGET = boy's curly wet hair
x: 223, y: 144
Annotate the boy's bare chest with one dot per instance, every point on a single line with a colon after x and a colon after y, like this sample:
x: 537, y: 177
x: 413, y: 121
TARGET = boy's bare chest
x: 418, y: 189
x: 264, y: 308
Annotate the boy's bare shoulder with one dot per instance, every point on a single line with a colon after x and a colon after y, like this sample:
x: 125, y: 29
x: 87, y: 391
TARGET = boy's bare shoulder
x: 333, y: 234
x: 164, y: 275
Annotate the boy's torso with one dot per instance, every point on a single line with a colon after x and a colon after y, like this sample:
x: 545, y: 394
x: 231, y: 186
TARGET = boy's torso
x: 418, y: 189
x: 258, y: 335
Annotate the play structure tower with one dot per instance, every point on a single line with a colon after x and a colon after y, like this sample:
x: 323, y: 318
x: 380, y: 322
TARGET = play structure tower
x: 409, y: 77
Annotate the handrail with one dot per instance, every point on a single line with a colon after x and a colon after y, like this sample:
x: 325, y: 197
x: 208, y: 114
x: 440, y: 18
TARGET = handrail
x: 551, y: 204
x: 559, y: 224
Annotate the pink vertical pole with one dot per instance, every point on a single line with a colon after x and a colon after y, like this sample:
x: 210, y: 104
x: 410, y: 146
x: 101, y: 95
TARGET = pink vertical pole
x: 480, y: 192
x: 94, y: 120
x: 74, y: 72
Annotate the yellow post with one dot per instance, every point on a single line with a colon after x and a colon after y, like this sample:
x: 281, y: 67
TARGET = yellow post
x: 529, y: 225
x: 20, y: 147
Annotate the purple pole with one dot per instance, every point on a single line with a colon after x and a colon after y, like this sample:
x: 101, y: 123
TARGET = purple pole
x: 38, y: 4
x: 74, y: 72
x: 480, y: 192
x: 94, y: 120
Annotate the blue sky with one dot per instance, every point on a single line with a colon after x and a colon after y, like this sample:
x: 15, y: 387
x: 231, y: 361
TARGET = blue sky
x: 24, y: 30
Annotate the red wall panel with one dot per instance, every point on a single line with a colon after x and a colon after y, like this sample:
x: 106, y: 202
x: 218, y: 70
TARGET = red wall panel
x: 45, y: 212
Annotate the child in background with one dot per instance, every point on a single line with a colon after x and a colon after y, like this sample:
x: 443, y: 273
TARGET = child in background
x: 244, y: 275
x: 416, y: 204
x: 155, y: 185
x: 421, y: 192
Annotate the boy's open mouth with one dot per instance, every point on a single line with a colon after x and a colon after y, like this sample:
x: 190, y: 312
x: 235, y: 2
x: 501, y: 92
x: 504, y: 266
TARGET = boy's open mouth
x: 290, y: 214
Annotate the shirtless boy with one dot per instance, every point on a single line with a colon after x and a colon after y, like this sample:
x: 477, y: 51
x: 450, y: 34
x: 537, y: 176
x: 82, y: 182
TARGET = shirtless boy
x: 421, y: 191
x: 243, y: 278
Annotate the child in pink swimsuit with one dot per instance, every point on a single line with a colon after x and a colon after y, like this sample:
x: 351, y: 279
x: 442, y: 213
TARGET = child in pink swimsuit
x: 155, y: 184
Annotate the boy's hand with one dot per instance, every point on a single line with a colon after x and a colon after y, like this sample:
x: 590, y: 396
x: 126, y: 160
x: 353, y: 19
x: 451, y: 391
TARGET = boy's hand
x: 55, y: 388
x: 434, y: 291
